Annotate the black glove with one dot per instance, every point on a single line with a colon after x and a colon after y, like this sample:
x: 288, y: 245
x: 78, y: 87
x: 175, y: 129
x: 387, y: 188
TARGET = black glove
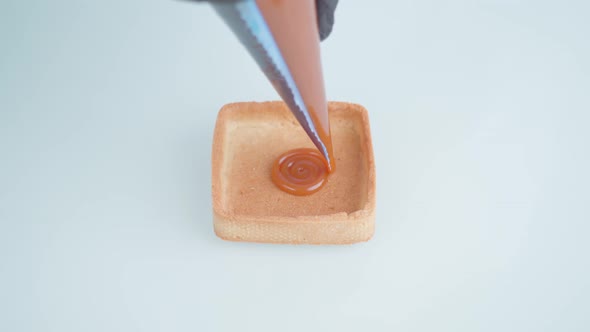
x: 325, y: 11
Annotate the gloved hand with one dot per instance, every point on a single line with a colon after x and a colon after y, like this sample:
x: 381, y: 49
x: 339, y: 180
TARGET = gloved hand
x: 325, y: 11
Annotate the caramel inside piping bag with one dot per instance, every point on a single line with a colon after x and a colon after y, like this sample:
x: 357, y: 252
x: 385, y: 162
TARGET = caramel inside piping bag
x: 293, y: 25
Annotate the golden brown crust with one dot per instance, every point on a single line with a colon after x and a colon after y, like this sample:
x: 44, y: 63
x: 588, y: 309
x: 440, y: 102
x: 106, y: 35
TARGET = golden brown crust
x: 248, y: 207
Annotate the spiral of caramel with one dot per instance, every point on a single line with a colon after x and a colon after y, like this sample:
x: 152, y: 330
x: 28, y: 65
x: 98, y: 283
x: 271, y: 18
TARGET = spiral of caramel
x: 300, y: 172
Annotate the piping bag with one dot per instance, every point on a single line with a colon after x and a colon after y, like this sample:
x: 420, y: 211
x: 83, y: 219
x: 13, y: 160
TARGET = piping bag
x: 282, y: 36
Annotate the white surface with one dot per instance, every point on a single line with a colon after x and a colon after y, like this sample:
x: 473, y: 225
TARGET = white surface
x: 480, y: 115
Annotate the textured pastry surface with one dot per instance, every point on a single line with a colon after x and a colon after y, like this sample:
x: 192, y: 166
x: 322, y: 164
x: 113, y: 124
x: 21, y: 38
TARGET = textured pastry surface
x: 247, y: 206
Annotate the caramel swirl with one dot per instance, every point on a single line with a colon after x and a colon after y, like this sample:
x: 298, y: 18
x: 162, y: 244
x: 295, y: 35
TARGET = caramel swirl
x: 300, y: 172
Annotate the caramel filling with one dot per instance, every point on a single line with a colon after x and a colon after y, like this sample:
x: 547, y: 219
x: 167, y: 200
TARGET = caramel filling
x: 300, y: 172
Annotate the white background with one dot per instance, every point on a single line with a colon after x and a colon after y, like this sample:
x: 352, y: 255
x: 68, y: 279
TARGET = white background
x: 480, y: 112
